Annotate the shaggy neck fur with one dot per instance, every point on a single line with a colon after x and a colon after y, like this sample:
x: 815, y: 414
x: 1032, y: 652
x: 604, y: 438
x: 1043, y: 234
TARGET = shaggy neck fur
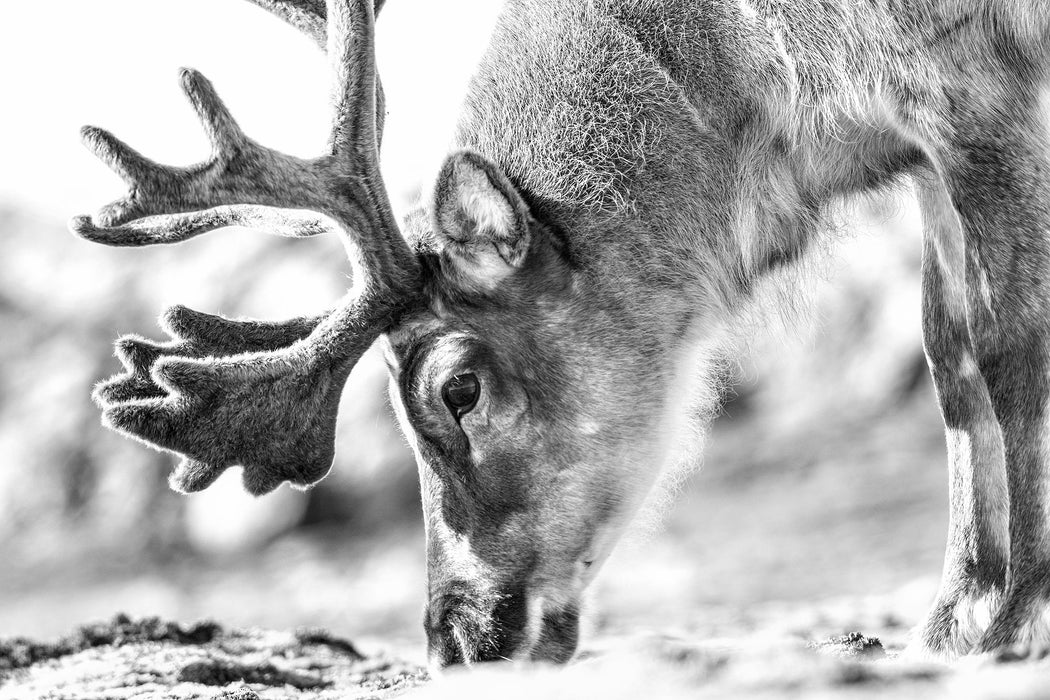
x: 687, y: 148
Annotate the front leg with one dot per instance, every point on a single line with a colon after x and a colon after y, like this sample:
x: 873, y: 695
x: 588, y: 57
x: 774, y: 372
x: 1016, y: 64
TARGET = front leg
x: 998, y: 174
x: 977, y: 554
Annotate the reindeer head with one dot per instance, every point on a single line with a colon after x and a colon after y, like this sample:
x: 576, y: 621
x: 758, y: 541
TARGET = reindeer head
x: 522, y: 407
x: 523, y: 412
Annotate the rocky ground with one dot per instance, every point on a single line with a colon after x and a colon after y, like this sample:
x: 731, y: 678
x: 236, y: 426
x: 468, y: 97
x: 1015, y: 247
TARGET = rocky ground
x: 149, y: 658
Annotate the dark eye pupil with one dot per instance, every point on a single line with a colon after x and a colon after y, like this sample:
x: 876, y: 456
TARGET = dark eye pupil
x: 461, y: 393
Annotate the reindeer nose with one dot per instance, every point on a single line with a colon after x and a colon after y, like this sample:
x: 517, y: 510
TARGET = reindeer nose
x: 465, y: 626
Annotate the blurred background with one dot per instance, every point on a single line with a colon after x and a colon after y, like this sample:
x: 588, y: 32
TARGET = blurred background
x: 823, y: 477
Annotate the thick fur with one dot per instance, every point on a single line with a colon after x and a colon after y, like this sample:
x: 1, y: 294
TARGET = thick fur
x: 262, y: 396
x: 681, y: 151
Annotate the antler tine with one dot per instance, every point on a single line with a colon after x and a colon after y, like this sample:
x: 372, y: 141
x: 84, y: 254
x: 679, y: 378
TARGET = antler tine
x: 351, y: 51
x: 194, y: 335
x: 182, y: 227
x: 223, y: 132
x: 185, y: 202
x: 130, y: 165
x: 226, y: 393
x: 380, y: 254
x: 309, y: 17
x: 240, y: 171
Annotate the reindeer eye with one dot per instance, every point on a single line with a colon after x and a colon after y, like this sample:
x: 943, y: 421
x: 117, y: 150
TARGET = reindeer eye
x: 461, y: 393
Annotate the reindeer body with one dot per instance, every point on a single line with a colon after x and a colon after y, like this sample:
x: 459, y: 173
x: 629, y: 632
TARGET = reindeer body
x: 611, y: 116
x: 628, y: 173
x: 689, y: 148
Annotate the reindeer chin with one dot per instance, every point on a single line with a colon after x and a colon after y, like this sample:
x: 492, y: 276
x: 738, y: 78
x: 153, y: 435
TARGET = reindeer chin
x: 559, y: 635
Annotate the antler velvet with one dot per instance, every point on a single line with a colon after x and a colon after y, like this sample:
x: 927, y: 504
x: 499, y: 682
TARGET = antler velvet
x: 261, y: 395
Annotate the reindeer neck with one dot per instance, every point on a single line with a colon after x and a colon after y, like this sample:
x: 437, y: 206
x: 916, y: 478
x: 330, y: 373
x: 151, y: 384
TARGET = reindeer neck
x: 684, y: 156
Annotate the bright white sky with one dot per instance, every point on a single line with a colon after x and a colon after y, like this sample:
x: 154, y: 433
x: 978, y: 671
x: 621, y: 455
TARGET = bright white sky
x: 113, y: 63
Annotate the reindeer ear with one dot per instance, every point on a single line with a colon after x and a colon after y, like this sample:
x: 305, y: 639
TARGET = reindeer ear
x: 481, y: 220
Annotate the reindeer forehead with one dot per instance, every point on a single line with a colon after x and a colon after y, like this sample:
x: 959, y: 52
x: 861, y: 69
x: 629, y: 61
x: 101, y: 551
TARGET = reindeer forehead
x: 429, y: 338
x: 443, y: 335
x: 430, y: 335
x: 435, y: 316
x: 411, y: 330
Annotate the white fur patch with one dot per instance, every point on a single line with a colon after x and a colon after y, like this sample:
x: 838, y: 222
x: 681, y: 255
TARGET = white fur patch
x: 483, y: 203
x: 748, y: 10
x: 967, y: 366
x: 589, y: 427
x: 972, y: 615
x: 984, y: 287
x: 533, y: 626
x: 944, y: 230
x: 688, y: 390
x: 690, y: 397
x: 488, y: 217
x: 481, y: 264
x: 492, y: 213
x: 982, y: 473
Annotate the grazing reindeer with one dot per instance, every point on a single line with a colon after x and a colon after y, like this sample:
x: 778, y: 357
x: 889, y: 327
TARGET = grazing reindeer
x: 628, y: 172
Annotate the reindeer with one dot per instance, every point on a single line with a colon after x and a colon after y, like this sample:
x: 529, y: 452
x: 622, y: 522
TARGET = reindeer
x: 626, y: 175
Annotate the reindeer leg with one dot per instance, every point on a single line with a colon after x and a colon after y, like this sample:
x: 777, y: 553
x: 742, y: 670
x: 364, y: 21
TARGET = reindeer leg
x: 998, y: 174
x: 977, y: 550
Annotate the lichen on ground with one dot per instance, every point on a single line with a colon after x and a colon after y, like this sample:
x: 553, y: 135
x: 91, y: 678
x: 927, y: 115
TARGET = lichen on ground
x: 150, y: 658
x: 20, y: 652
x: 852, y: 645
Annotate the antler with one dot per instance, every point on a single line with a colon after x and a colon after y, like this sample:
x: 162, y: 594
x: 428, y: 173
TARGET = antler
x: 309, y: 17
x: 260, y: 395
